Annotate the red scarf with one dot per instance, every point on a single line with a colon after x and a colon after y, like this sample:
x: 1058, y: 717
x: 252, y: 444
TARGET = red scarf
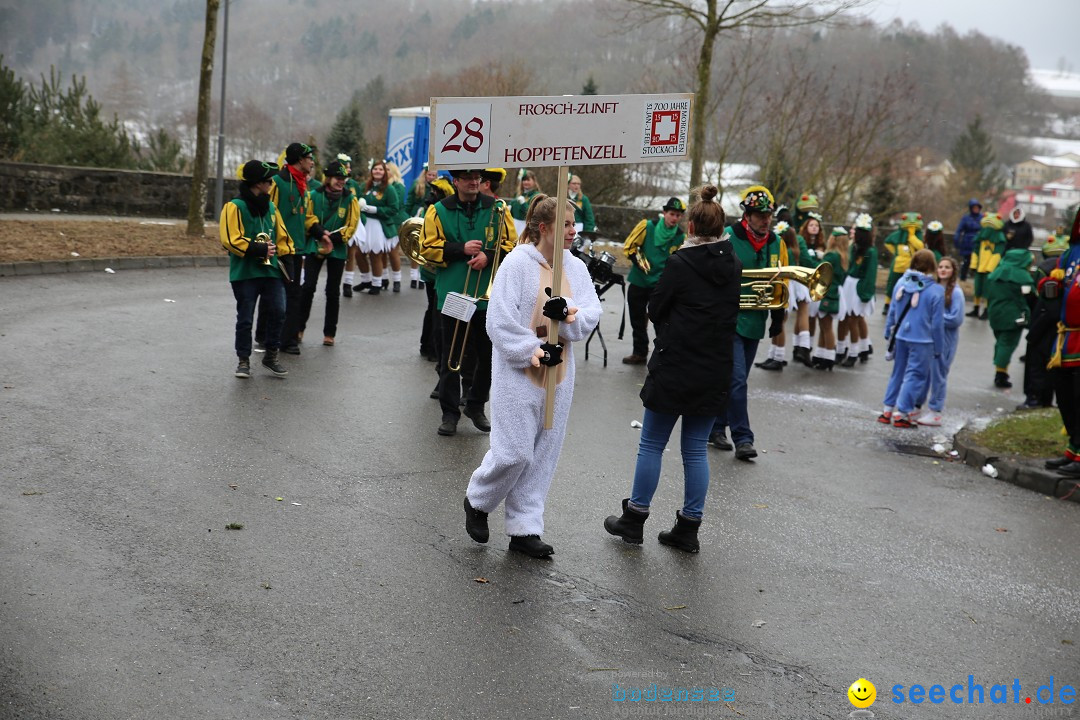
x: 756, y: 241
x: 300, y: 178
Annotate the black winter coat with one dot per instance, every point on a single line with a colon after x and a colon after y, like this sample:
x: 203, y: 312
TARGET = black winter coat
x: 694, y: 307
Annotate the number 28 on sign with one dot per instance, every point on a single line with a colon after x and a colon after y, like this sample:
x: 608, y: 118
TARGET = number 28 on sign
x: 462, y: 135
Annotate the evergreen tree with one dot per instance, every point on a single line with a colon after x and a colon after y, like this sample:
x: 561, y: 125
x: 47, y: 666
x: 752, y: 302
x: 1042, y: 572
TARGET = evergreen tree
x: 883, y: 198
x: 12, y: 107
x: 973, y: 155
x: 163, y: 153
x: 347, y: 134
x: 589, y: 88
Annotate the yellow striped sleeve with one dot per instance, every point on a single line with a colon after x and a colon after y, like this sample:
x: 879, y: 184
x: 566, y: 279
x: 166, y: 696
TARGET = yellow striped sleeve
x: 432, y: 240
x: 311, y: 218
x: 511, y: 239
x: 284, y: 241
x: 231, y: 230
x: 352, y: 219
x: 635, y: 238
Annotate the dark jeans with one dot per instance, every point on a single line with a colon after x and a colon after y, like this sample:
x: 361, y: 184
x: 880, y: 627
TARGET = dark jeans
x: 292, y: 265
x: 637, y: 299
x: 293, y: 303
x: 1067, y: 388
x: 312, y: 267
x: 1038, y: 384
x: 269, y: 294
x: 737, y: 414
x: 965, y: 264
x: 475, y: 373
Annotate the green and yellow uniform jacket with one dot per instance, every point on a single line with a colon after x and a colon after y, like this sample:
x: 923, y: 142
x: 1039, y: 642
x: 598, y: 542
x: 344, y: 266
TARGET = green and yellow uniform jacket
x: 830, y: 304
x: 313, y: 185
x: 238, y: 229
x: 414, y: 202
x: 989, y: 247
x: 331, y: 215
x: 448, y: 225
x: 583, y: 213
x: 655, y: 242
x: 806, y: 258
x: 1004, y: 293
x: 356, y: 187
x: 520, y: 207
x: 903, y: 244
x: 292, y: 204
x: 402, y: 216
x: 865, y: 270
x: 751, y: 323
x: 387, y: 204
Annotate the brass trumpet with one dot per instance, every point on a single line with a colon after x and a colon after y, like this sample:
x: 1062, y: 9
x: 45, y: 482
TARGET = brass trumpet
x: 264, y: 239
x: 768, y: 290
x: 409, y: 239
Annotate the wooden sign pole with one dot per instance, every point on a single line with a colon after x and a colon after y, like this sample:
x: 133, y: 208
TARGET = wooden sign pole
x: 556, y: 289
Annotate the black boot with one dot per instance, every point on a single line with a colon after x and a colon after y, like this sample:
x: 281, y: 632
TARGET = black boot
x: 683, y: 535
x: 985, y: 313
x: 770, y: 364
x: 397, y: 286
x: 802, y: 355
x: 1057, y: 463
x: 531, y: 545
x: 270, y: 362
x: 630, y: 526
x: 362, y: 286
x: 864, y: 356
x: 476, y: 523
x: 1001, y: 380
x: 346, y: 290
x: 974, y: 312
x: 850, y: 361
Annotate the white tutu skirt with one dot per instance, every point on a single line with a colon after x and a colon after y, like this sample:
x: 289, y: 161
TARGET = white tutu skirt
x: 359, y: 237
x: 850, y: 302
x: 815, y: 308
x: 797, y: 294
x: 376, y: 241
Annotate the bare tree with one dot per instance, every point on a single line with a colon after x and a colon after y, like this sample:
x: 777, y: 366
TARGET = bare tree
x: 712, y: 18
x: 197, y: 198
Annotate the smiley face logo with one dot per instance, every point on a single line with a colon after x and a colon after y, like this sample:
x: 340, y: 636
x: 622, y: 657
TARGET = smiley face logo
x: 862, y: 693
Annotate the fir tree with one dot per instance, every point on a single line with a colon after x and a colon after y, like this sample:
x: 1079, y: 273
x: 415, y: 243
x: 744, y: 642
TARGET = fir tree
x: 883, y: 197
x: 347, y: 134
x: 589, y: 88
x: 973, y: 156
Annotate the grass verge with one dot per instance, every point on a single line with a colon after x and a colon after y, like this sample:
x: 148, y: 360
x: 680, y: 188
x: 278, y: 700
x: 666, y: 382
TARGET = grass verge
x: 1030, y: 433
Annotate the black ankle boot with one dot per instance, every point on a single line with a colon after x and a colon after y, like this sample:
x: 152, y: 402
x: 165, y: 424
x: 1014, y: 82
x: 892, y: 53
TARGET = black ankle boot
x: 850, y: 361
x: 1001, y: 380
x: 683, y: 535
x: 630, y: 526
x: 476, y: 523
x: 531, y: 545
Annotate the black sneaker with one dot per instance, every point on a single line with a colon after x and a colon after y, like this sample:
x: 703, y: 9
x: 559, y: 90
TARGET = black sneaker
x: 243, y: 368
x: 291, y: 349
x: 271, y: 363
x: 745, y: 451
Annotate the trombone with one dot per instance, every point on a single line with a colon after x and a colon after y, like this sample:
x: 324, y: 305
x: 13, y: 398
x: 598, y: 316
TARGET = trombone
x: 768, y: 287
x: 495, y: 230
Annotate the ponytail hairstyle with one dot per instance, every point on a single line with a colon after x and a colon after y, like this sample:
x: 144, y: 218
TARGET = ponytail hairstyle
x: 950, y: 284
x: 541, y: 210
x: 532, y: 176
x: 792, y: 241
x: 864, y: 239
x: 840, y: 244
x: 706, y: 214
x: 924, y: 262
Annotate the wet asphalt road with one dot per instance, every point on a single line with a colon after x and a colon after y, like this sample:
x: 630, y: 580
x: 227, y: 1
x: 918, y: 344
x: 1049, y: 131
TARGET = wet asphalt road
x: 128, y: 446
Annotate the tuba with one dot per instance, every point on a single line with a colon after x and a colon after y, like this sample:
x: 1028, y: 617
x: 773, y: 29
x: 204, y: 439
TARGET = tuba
x: 768, y: 290
x: 264, y: 238
x: 409, y: 239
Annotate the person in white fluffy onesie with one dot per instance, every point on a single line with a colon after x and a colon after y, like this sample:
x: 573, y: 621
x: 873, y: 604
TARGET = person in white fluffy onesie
x: 518, y: 467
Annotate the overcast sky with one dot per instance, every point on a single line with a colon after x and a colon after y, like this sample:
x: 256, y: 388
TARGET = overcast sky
x: 1047, y: 30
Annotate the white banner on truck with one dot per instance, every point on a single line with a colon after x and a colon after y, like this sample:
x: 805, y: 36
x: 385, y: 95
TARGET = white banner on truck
x: 554, y: 131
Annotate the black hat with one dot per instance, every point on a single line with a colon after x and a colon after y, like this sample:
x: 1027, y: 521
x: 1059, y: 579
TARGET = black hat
x: 335, y: 169
x: 456, y: 173
x: 674, y: 204
x: 296, y: 151
x: 257, y: 171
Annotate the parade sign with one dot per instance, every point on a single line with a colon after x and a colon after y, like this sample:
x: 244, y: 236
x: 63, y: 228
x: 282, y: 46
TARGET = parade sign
x: 556, y: 131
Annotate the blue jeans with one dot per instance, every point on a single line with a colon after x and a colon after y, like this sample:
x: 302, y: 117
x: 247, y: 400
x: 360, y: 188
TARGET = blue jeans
x: 247, y: 294
x: 737, y: 415
x: 655, y: 431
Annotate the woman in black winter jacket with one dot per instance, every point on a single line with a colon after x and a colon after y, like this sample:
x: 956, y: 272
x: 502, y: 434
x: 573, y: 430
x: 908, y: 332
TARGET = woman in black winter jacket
x: 694, y: 309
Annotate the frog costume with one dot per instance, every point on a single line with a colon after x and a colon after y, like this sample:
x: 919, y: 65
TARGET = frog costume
x: 902, y: 244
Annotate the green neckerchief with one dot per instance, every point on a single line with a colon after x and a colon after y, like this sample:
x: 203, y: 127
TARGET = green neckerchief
x: 663, y: 235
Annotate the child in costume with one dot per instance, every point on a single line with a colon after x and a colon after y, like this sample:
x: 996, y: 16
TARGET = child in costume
x: 916, y: 320
x: 859, y: 290
x: 948, y: 271
x: 1006, y: 291
x: 695, y: 309
x: 902, y: 244
x: 520, y: 463
x: 989, y: 245
x: 831, y: 306
x: 1065, y: 364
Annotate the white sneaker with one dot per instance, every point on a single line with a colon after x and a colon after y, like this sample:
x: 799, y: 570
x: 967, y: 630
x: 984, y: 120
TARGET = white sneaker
x: 931, y: 418
x: 914, y: 413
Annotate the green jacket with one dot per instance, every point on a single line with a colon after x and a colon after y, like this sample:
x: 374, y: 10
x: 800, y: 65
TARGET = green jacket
x: 292, y: 204
x: 1006, y: 300
x: 640, y: 240
x: 751, y: 323
x: 520, y: 207
x: 583, y: 213
x: 865, y: 269
x: 806, y: 259
x: 331, y: 215
x: 388, y: 208
x: 414, y: 202
x: 238, y: 229
x: 830, y: 304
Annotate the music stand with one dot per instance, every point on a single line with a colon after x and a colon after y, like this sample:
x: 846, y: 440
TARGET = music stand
x: 615, y: 279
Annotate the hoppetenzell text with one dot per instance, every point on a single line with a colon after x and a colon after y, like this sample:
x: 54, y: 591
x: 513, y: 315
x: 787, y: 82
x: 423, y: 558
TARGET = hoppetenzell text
x: 563, y: 153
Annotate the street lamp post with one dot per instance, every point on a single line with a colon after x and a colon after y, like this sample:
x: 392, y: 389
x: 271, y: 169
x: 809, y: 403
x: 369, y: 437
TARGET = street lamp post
x: 219, y: 190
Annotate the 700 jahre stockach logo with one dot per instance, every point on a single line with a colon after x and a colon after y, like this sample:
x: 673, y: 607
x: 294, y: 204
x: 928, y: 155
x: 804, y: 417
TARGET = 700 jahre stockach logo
x: 665, y: 127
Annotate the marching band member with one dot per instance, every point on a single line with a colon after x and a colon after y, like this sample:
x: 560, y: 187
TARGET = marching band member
x: 415, y: 207
x: 289, y: 195
x: 254, y: 270
x: 527, y: 189
x: 860, y: 288
x: 649, y: 245
x: 333, y: 212
x: 757, y: 247
x: 799, y: 298
x: 1065, y: 364
x: 393, y: 255
x: 518, y: 468
x: 831, y: 306
x: 584, y: 220
x: 695, y: 308
x: 383, y: 205
x: 455, y: 239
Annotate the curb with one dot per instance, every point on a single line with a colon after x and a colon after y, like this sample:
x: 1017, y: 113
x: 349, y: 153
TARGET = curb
x: 1019, y: 471
x: 50, y: 267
